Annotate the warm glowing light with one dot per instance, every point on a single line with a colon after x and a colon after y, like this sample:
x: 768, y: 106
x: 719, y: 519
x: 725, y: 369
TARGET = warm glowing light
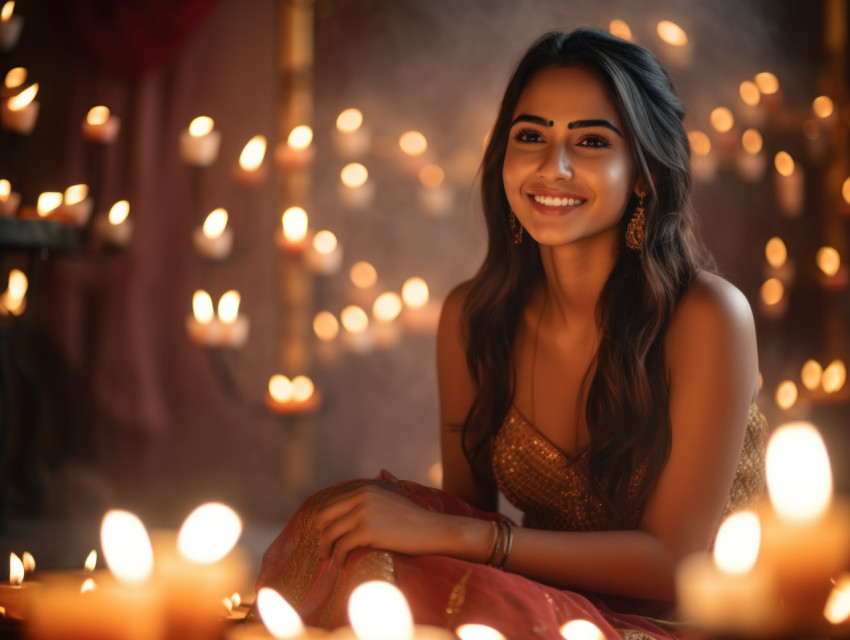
x: 432, y: 175
x: 215, y: 223
x: 325, y: 242
x: 722, y: 119
x: 47, y: 202
x: 772, y: 291
x: 786, y: 395
x: 811, y: 129
x: 278, y: 616
x: 20, y: 101
x: 88, y: 585
x: 354, y: 319
x: 750, y: 93
x: 236, y: 599
x: 119, y: 212
x: 8, y: 9
x: 349, y: 120
x: 325, y: 326
x: 97, y: 115
x: 209, y: 533
x: 413, y: 143
x: 387, y: 307
x: 228, y: 307
x: 295, y: 224
x: 811, y: 374
x: 834, y: 376
x: 76, y: 193
x: 799, y: 478
x: 378, y: 611
x: 252, y: 155
x: 16, y: 569
x: 478, y: 632
x: 837, y: 609
x: 752, y: 141
x: 202, y: 307
x: 823, y: 107
x: 280, y: 388
x: 700, y: 143
x: 671, y: 33
x: 828, y: 260
x: 415, y: 293
x: 784, y: 163
x: 845, y: 191
x: 126, y: 546
x: 363, y: 275
x: 201, y: 126
x: 15, y: 77
x: 767, y: 82
x: 18, y: 285
x: 354, y: 175
x: 581, y: 630
x: 761, y: 381
x: 302, y: 388
x: 776, y: 252
x: 91, y: 561
x: 5, y: 189
x: 28, y: 561
x: 300, y: 137
x: 736, y: 546
x: 620, y: 29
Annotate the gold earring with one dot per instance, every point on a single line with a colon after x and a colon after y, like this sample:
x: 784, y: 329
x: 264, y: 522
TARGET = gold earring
x: 637, y: 226
x: 516, y: 227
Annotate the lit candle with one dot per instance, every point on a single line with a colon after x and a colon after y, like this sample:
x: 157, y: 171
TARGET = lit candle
x: 773, y: 302
x: 778, y: 264
x: 47, y: 204
x: 298, y: 151
x: 101, y: 126
x: 13, y: 299
x: 214, y: 239
x: 356, y: 191
x: 675, y: 47
x: 752, y: 113
x: 834, y: 377
x: 433, y: 195
x: 326, y: 330
x: 789, y: 185
x: 832, y: 274
x: 811, y: 374
x: 291, y: 236
x: 292, y: 397
x: 581, y: 630
x: 703, y: 160
x: 364, y: 277
x: 250, y: 171
x: 413, y: 146
x: 357, y: 336
x: 351, y: 138
x: 19, y: 112
x: 9, y: 200
x: 768, y: 86
x: 15, y: 78
x: 751, y: 158
x: 386, y: 310
x: 229, y: 330
x: 10, y: 26
x: 279, y: 620
x: 76, y: 205
x: 116, y: 228
x: 620, y: 28
x: 724, y: 131
x: 16, y: 597
x: 324, y: 255
x: 824, y: 110
x: 199, y: 143
x: 845, y: 197
x: 421, y: 314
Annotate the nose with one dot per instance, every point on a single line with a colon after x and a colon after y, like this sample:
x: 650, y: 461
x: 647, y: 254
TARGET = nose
x: 556, y: 164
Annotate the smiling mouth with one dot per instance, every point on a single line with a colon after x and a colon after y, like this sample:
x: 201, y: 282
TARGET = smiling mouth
x: 555, y: 201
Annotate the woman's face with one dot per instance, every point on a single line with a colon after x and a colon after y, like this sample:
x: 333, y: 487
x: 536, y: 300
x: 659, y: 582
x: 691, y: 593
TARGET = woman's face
x: 568, y: 171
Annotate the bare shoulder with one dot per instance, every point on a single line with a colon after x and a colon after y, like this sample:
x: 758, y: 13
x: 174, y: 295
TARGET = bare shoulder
x: 452, y: 311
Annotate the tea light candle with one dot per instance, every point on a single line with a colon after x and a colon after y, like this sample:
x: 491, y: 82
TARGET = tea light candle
x: 250, y: 171
x: 768, y: 86
x: 432, y: 193
x: 356, y: 191
x: 101, y: 126
x: 779, y: 266
x: 214, y: 239
x: 386, y: 311
x: 20, y: 112
x: 279, y: 620
x: 752, y: 112
x: 77, y: 205
x: 10, y: 26
x: 675, y: 48
x: 199, y: 143
x: 47, y: 204
x: 291, y: 236
x: 292, y: 397
x: 413, y: 145
x: 357, y: 335
x: 10, y: 200
x: 116, y: 228
x: 324, y: 255
x: 17, y: 596
x: 421, y: 314
x: 228, y: 330
x: 751, y: 158
x: 13, y: 300
x: 351, y: 138
x: 298, y: 151
x: 789, y: 185
x: 703, y: 159
x: 833, y: 276
x: 724, y: 132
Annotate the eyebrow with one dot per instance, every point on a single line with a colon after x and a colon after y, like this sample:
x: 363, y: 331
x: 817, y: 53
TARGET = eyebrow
x: 577, y: 124
x: 524, y: 117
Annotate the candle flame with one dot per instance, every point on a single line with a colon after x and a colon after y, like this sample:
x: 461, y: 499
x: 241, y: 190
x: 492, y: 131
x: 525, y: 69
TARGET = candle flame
x: 20, y: 101
x: 799, y: 478
x: 828, y: 260
x: 776, y: 252
x: 15, y: 77
x: 784, y: 163
x: 363, y: 275
x: 432, y: 175
x: 349, y: 120
x: 201, y: 126
x: 581, y: 630
x: 671, y: 33
x: 88, y: 585
x: 215, y: 223
x: 228, y: 307
x: 16, y: 569
x: 252, y: 155
x: 834, y: 377
x: 750, y: 93
x: 302, y: 388
x: 202, y: 307
x: 737, y: 544
x: 281, y: 620
x: 295, y: 224
x: 91, y: 561
x: 325, y: 242
x: 354, y: 319
x: 845, y: 191
x: 415, y: 293
x: 236, y: 599
x: 823, y: 106
x: 47, y: 202
x: 786, y: 395
x: 76, y: 193
x: 97, y: 115
x: 700, y: 143
x: 18, y: 285
x: 119, y: 212
x: 28, y: 561
x: 5, y: 189
x: 126, y: 546
x: 772, y: 291
x: 387, y: 307
x: 837, y: 609
x: 325, y: 326
x: 209, y: 533
x: 8, y: 9
x: 811, y: 374
x: 620, y: 29
x: 228, y: 604
x: 752, y: 141
x: 378, y: 611
x: 354, y: 175
x: 767, y: 82
x: 413, y: 143
x: 300, y: 137
x: 722, y: 119
x: 478, y: 632
x: 280, y: 388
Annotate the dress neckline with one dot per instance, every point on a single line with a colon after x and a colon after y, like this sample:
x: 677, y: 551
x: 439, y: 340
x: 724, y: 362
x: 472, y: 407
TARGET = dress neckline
x: 570, y: 457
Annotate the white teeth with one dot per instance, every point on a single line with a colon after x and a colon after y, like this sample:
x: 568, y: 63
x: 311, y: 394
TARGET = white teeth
x: 551, y: 201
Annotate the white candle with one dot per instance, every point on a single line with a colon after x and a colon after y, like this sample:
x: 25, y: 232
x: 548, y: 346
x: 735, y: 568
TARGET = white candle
x: 199, y: 143
x: 10, y: 26
x: 214, y: 239
x: 413, y: 145
x: 291, y: 236
x: 250, y: 171
x: 77, y: 205
x: 833, y: 276
x: 751, y: 159
x: 9, y: 200
x: 351, y: 138
x: 101, y: 126
x: 675, y: 48
x: 292, y: 397
x: 789, y: 185
x: 116, y: 228
x: 19, y: 112
x: 421, y: 314
x: 386, y: 310
x: 752, y: 113
x: 703, y: 160
x: 324, y: 255
x: 13, y: 300
x: 228, y: 330
x: 298, y: 151
x: 17, y: 596
x: 356, y: 191
x: 357, y: 335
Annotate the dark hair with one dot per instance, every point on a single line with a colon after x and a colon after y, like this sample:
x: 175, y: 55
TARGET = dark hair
x: 627, y: 398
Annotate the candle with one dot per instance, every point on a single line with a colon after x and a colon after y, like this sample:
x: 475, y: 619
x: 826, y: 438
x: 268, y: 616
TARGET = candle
x: 779, y: 266
x: 621, y: 29
x: 326, y: 329
x: 413, y: 146
x: 789, y: 185
x: 356, y: 191
x: 228, y: 330
x: 675, y: 48
x: 199, y: 143
x: 811, y: 374
x: 581, y: 630
x: 351, y: 138
x: 250, y: 171
x: 13, y: 299
x: 834, y: 377
x: 16, y: 597
x: 768, y: 85
x: 19, y: 112
x: 291, y: 397
x: 9, y: 200
x: 234, y: 327
x: 421, y: 314
x: 357, y: 336
x: 10, y: 26
x: 478, y: 632
x: 279, y: 620
x: 824, y: 110
x: 116, y: 228
x: 844, y: 203
x: 298, y: 151
x: 833, y: 276
x: 363, y: 276
x: 47, y: 204
x: 752, y: 113
x: 433, y: 195
x: 291, y: 236
x: 214, y: 239
x: 703, y: 160
x: 76, y: 205
x: 324, y: 255
x: 101, y: 126
x: 751, y: 159
x: 724, y: 132
x: 386, y: 310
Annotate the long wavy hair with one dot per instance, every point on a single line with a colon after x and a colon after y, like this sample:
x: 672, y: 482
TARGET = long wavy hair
x: 627, y: 396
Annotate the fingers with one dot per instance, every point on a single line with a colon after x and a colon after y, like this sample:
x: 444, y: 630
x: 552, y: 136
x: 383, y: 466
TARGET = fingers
x: 330, y: 535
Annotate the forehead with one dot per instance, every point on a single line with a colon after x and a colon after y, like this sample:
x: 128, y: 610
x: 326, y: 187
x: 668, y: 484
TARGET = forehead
x: 574, y: 93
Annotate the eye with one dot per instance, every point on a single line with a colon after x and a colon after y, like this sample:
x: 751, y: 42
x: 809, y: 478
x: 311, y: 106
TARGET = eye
x: 528, y: 135
x: 594, y: 141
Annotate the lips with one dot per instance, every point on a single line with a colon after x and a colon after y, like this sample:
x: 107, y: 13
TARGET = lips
x: 555, y: 205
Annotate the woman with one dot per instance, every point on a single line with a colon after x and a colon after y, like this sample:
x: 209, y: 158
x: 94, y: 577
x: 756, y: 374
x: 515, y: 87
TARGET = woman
x: 594, y: 370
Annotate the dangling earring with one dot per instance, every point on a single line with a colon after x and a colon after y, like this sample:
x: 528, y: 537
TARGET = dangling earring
x: 516, y: 227
x: 637, y: 226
